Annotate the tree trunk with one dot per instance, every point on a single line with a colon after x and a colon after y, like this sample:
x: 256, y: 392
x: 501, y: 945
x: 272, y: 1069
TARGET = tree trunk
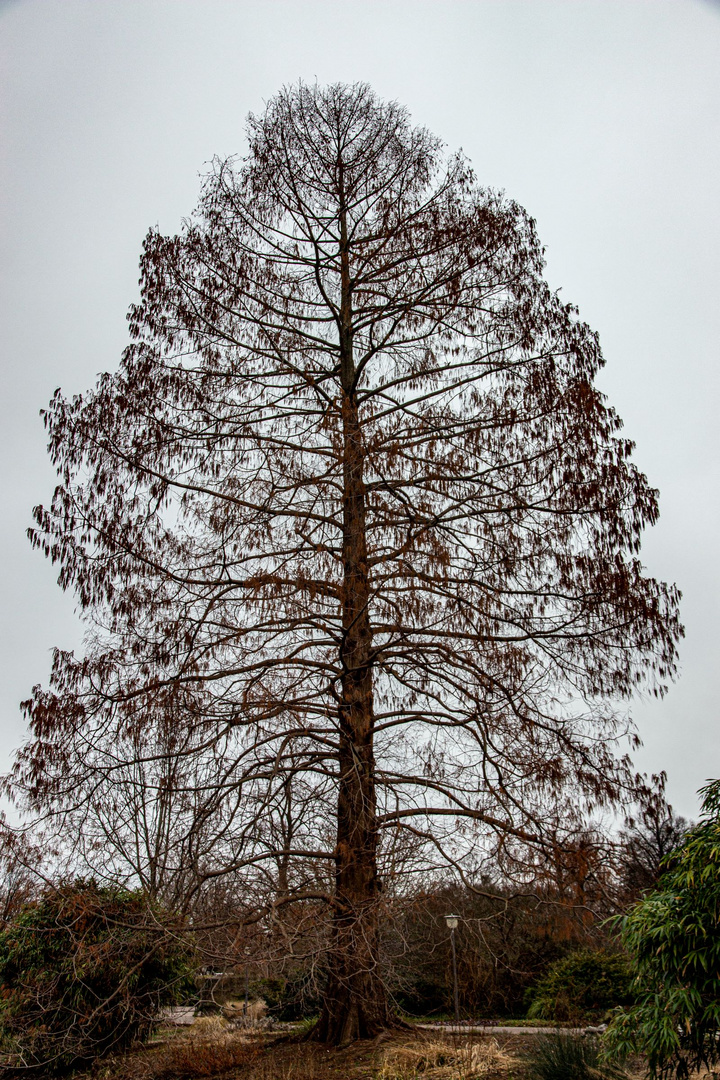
x: 355, y: 1003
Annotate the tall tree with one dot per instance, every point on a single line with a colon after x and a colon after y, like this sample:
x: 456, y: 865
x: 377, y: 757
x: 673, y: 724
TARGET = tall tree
x: 353, y: 495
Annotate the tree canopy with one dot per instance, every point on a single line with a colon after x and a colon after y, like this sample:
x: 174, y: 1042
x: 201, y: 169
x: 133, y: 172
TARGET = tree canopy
x: 353, y: 512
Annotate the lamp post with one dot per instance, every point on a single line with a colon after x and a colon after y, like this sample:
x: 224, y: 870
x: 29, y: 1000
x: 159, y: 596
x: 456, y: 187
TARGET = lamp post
x: 247, y: 954
x: 452, y: 921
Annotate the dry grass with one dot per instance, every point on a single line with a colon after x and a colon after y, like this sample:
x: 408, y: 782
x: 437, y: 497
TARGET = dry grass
x: 301, y: 1066
x: 214, y: 1048
x: 211, y: 1047
x: 254, y: 1017
x: 436, y: 1059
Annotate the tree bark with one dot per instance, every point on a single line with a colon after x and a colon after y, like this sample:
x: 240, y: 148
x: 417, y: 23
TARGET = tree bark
x: 355, y: 1003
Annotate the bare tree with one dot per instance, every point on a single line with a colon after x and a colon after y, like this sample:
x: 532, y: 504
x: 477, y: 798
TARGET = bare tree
x: 353, y: 497
x: 649, y: 836
x: 166, y: 804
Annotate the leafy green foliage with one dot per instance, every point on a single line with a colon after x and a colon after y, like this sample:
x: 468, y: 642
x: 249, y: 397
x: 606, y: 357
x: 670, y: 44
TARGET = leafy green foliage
x: 568, y: 1057
x: 673, y: 935
x: 580, y: 986
x: 86, y: 969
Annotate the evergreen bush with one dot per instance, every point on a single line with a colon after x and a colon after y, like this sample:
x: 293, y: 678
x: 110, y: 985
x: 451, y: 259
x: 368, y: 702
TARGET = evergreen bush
x: 86, y: 969
x: 583, y: 985
x: 673, y: 937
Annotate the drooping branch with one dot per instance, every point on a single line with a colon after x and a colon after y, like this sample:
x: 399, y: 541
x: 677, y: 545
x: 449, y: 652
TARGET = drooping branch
x: 353, y: 507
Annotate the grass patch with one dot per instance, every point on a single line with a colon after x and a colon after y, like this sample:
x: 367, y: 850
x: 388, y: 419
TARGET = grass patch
x: 484, y: 1022
x: 439, y: 1059
x: 525, y: 1023
x: 209, y: 1048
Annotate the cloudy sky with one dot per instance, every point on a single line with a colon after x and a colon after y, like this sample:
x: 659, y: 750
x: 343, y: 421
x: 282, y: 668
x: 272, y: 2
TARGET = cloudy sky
x: 602, y: 117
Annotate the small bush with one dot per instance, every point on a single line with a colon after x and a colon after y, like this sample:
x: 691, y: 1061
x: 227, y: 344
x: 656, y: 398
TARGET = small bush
x: 86, y: 969
x: 583, y: 985
x: 291, y: 998
x: 568, y: 1057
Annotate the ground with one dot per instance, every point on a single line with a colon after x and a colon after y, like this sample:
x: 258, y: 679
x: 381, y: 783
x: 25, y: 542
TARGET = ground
x: 222, y: 1053
x: 229, y: 1055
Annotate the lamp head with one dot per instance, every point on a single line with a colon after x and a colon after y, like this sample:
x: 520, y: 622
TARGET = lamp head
x: 452, y: 921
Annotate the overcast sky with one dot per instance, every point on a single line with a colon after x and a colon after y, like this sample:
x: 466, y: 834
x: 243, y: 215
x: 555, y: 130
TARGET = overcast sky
x: 601, y: 118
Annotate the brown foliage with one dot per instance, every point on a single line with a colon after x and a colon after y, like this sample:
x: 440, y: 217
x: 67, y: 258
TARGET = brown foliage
x: 352, y: 521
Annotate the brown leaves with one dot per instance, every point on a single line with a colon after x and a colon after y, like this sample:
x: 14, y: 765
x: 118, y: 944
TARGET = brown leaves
x: 347, y: 271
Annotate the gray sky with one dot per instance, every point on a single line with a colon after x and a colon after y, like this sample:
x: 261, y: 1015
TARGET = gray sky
x: 601, y: 118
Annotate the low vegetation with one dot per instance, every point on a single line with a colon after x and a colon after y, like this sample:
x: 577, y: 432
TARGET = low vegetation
x: 672, y: 937
x: 207, y: 1051
x: 567, y: 1057
x: 85, y: 970
x: 226, y: 1053
x: 438, y: 1059
x: 581, y: 987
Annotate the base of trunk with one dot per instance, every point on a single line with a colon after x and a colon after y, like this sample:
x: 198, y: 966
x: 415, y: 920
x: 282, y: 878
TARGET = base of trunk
x: 354, y: 1010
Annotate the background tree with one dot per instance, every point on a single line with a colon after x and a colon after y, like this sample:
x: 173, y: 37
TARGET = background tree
x: 506, y: 940
x: 353, y: 498
x: 160, y: 807
x: 647, y: 840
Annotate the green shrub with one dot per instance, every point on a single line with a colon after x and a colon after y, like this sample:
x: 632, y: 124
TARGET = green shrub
x: 672, y: 937
x: 583, y: 985
x: 84, y: 970
x: 568, y: 1057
